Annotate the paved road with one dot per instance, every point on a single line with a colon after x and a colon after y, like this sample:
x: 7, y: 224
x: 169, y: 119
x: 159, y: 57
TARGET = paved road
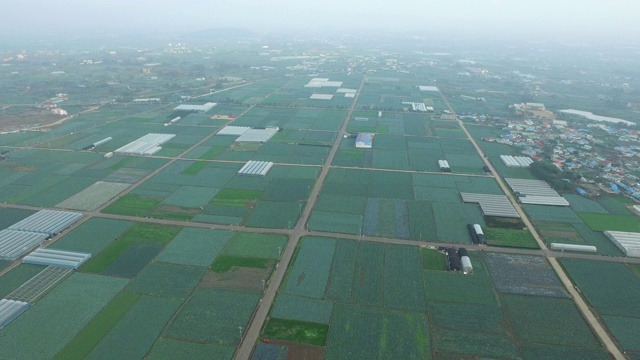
x: 597, y: 327
x: 253, y: 331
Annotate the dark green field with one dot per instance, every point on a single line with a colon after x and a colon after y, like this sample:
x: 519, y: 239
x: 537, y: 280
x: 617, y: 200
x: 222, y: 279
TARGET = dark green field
x: 510, y: 238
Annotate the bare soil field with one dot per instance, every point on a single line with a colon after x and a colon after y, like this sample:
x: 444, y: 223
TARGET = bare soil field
x: 28, y: 118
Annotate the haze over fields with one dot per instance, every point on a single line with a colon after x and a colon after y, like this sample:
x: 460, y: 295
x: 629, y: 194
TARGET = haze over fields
x: 319, y: 180
x: 612, y: 20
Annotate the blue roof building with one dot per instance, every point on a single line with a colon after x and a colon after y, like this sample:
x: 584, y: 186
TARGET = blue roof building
x: 364, y: 140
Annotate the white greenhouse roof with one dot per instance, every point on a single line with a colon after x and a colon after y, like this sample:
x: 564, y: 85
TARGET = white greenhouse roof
x: 233, y: 130
x: 536, y: 192
x: 544, y: 200
x: 321, y: 97
x: 11, y: 309
x: 428, y: 88
x: 492, y: 205
x: 201, y: 108
x: 322, y: 82
x: 531, y: 187
x: 346, y: 90
x: 57, y: 258
x: 49, y: 222
x: 146, y: 145
x: 627, y: 242
x: 258, y: 135
x: 516, y: 161
x: 259, y: 168
x: 349, y: 95
x: 573, y: 247
x: 15, y: 243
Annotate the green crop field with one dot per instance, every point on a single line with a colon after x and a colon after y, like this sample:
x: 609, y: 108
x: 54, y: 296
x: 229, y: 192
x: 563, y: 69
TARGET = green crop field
x: 422, y: 223
x: 98, y: 263
x: 368, y: 279
x: 149, y: 316
x: 433, y: 259
x: 606, y: 286
x: 17, y: 276
x: 454, y: 287
x: 510, y: 238
x: 195, y: 168
x: 602, y: 222
x: 368, y: 333
x: 10, y: 216
x: 167, y: 280
x: 625, y: 330
x: 310, y: 272
x: 552, y: 213
x: 171, y: 349
x: 58, y: 317
x: 236, y: 197
x: 296, y: 331
x: 252, y: 245
x: 92, y: 236
x: 98, y: 327
x: 132, y: 260
x: 615, y: 204
x: 291, y: 307
x: 275, y: 215
x: 403, y: 285
x: 582, y: 204
x: 449, y: 227
x: 147, y: 232
x: 341, y: 204
x: 342, y: 271
x: 543, y: 351
x: 133, y: 204
x: 190, y: 196
x: 530, y: 317
x: 469, y: 317
x: 336, y: 222
x: 193, y: 246
x: 486, y: 345
x: 213, y: 316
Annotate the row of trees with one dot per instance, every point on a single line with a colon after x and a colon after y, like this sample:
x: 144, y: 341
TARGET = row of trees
x: 558, y: 179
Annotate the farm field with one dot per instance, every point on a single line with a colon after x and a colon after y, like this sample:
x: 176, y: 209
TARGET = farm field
x: 59, y: 316
x: 607, y: 287
x: 215, y: 193
x: 93, y: 235
x: 564, y: 225
x: 94, y: 196
x: 160, y: 282
x: 400, y: 152
x: 398, y: 205
x: 197, y: 323
x: 602, y: 222
x: 510, y: 238
x: 186, y: 256
x: 432, y: 313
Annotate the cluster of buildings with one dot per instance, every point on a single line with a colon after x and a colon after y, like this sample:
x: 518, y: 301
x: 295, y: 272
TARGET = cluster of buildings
x: 585, y: 148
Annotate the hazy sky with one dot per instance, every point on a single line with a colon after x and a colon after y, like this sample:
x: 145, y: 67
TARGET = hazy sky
x: 536, y: 18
